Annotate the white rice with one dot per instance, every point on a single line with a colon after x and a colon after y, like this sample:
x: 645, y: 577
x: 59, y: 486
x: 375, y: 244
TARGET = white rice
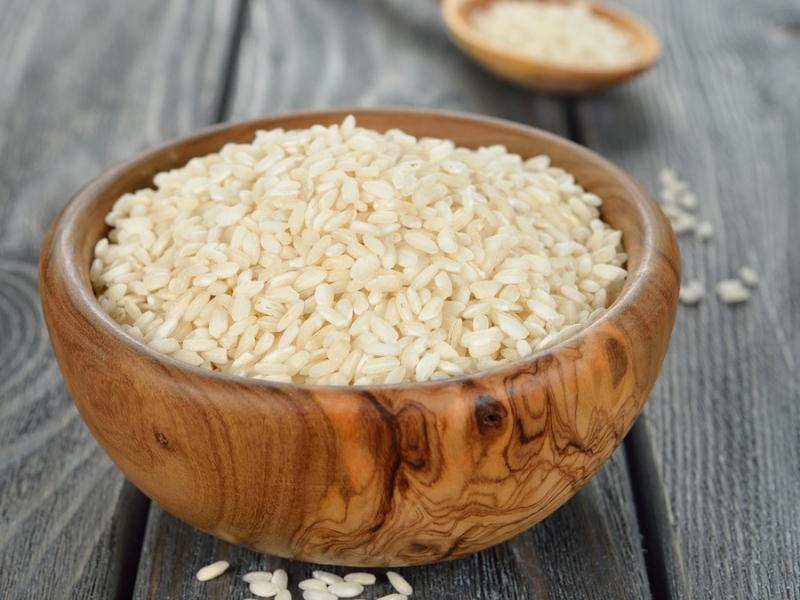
x: 692, y: 292
x: 327, y: 578
x: 704, y: 231
x: 318, y: 595
x: 748, y: 276
x: 213, y: 570
x: 399, y: 583
x: 345, y: 589
x: 678, y: 202
x: 362, y: 578
x: 313, y: 584
x: 732, y: 291
x: 257, y: 576
x: 280, y: 578
x: 339, y: 255
x: 264, y: 589
x: 560, y: 32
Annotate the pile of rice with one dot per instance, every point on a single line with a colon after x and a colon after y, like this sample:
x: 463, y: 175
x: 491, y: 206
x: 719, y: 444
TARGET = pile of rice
x: 569, y: 33
x: 340, y: 255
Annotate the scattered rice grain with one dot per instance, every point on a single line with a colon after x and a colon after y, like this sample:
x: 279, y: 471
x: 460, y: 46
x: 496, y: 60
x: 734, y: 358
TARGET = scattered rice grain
x: 345, y: 589
x: 732, y: 291
x: 326, y: 577
x: 399, y: 583
x: 313, y: 584
x: 362, y: 578
x: 257, y: 576
x: 318, y: 595
x: 748, y: 276
x: 213, y: 570
x: 692, y: 292
x: 264, y: 589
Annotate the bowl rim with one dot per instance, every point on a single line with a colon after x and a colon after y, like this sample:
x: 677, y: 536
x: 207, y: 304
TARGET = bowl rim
x: 84, y: 300
x: 453, y: 13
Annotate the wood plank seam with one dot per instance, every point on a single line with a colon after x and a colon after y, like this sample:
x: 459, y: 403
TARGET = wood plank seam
x: 649, y: 501
x: 231, y: 62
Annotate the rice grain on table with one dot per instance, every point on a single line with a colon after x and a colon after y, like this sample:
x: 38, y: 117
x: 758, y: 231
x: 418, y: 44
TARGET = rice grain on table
x: 280, y: 578
x: 318, y: 595
x: 399, y: 583
x: 326, y: 577
x: 362, y: 578
x: 339, y: 255
x: 732, y: 291
x: 692, y: 292
x: 345, y: 589
x: 213, y: 570
x: 264, y: 589
x: 748, y: 276
x: 257, y: 576
x: 704, y: 231
x: 313, y: 584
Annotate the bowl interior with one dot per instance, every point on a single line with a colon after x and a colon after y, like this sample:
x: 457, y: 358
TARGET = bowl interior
x: 625, y: 206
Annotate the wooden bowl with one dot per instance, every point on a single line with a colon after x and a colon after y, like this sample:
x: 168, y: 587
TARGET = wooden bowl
x: 375, y: 475
x: 547, y: 76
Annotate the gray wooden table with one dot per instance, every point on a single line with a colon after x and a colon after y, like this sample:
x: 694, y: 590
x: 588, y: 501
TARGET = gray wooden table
x: 703, y: 498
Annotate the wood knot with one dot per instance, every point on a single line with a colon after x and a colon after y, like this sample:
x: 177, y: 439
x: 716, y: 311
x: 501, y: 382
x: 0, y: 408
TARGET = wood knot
x: 617, y: 360
x: 489, y: 413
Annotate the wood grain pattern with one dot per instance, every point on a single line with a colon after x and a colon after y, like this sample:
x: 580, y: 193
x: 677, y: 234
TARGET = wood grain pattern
x: 80, y: 90
x: 723, y: 421
x: 377, y: 475
x: 545, y: 76
x: 568, y: 555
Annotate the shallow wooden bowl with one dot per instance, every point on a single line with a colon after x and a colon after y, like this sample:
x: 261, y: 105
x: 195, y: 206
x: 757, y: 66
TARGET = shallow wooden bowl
x: 547, y: 76
x: 378, y: 475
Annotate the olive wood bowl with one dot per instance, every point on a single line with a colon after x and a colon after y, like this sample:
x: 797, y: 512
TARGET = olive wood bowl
x: 364, y: 475
x: 547, y: 76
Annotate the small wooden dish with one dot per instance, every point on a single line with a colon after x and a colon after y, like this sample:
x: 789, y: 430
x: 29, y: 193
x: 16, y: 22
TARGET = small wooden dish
x: 381, y: 475
x: 546, y: 76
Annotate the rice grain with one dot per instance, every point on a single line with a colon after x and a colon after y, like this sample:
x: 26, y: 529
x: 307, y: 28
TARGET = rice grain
x: 345, y: 589
x: 213, y: 570
x: 264, y: 589
x: 362, y: 578
x: 399, y: 583
x: 257, y: 576
x: 732, y: 291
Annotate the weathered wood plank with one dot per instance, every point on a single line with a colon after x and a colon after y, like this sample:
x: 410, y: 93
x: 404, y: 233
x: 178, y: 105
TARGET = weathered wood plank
x: 83, y: 84
x: 324, y: 53
x: 92, y: 83
x: 722, y: 426
x: 585, y: 550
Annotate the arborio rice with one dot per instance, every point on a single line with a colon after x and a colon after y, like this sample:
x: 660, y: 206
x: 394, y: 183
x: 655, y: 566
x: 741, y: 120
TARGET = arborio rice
x: 340, y: 255
x: 561, y: 32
